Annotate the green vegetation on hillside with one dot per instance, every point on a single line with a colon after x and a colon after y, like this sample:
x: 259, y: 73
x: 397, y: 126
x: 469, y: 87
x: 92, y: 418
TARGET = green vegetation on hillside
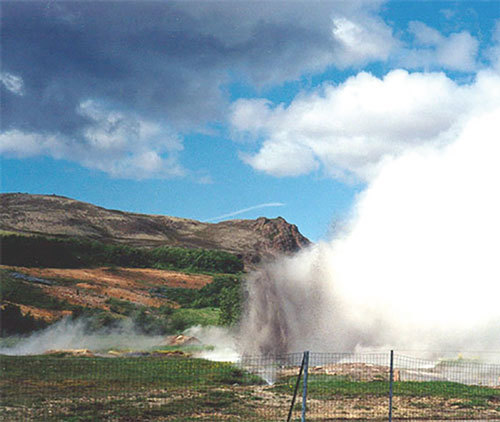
x: 206, y: 306
x: 147, y: 320
x: 25, y: 293
x: 224, y: 292
x: 208, y: 295
x: 216, y: 303
x: 14, y: 292
x: 39, y: 251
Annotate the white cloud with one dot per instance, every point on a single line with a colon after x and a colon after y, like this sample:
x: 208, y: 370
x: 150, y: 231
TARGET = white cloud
x: 124, y: 145
x: 433, y: 50
x: 250, y: 115
x: 139, y: 165
x: 262, y: 43
x: 425, y: 35
x: 120, y: 144
x: 364, y: 38
x: 362, y: 41
x: 15, y: 143
x: 283, y: 158
x: 13, y: 83
x: 350, y: 129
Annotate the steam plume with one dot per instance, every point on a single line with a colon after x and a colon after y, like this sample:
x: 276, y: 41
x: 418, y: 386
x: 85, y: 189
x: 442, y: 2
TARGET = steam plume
x: 416, y: 265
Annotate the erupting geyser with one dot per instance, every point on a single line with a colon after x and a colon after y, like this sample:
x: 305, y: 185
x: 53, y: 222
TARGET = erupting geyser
x: 417, y: 265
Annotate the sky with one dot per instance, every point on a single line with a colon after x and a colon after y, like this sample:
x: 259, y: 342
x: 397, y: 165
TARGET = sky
x: 235, y: 109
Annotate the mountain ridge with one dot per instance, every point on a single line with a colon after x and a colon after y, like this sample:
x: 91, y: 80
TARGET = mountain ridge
x: 59, y: 216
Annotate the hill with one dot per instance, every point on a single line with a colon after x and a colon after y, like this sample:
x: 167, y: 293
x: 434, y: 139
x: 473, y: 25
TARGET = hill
x: 51, y: 293
x: 66, y: 258
x: 51, y: 215
x: 63, y: 257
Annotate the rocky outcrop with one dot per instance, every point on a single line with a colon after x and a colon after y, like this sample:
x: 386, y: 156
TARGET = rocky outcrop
x: 53, y: 215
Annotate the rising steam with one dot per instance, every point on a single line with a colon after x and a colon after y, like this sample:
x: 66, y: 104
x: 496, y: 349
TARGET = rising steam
x: 216, y: 343
x: 416, y: 266
x: 74, y: 334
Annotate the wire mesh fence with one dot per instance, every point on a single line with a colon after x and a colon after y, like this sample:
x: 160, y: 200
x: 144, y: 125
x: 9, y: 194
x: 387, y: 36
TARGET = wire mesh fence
x: 358, y: 387
x: 340, y: 386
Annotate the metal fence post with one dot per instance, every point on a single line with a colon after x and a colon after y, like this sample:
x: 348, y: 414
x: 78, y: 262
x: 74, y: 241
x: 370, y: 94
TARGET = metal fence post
x: 391, y: 380
x: 296, y: 389
x: 304, y: 389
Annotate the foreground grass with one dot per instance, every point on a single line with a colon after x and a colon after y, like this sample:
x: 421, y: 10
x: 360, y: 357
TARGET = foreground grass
x: 181, y: 389
x: 27, y: 379
x: 342, y: 398
x: 328, y: 387
x: 149, y: 388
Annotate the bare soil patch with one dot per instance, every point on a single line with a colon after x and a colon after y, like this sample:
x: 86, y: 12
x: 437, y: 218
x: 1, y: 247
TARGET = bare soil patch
x: 124, y: 277
x: 355, y: 371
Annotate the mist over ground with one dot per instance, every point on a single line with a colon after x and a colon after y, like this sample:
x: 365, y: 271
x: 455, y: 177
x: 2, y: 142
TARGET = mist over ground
x: 75, y: 334
x: 415, y: 267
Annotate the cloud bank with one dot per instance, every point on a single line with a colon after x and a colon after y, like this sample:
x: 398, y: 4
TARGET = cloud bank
x: 171, y: 65
x: 349, y: 130
x: 457, y: 51
x: 155, y: 70
x: 120, y: 144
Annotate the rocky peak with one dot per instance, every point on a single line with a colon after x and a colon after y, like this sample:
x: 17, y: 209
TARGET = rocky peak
x: 282, y: 235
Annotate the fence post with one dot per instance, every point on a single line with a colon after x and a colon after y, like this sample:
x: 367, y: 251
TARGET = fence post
x: 296, y: 389
x: 304, y: 389
x: 391, y: 380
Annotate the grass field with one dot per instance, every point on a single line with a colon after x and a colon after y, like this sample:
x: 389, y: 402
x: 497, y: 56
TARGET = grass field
x: 150, y: 388
x: 163, y: 388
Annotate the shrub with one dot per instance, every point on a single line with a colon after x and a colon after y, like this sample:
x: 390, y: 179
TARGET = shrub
x: 178, y: 322
x: 26, y: 293
x: 209, y: 295
x: 96, y: 319
x: 14, y: 322
x: 230, y: 305
x: 39, y: 251
x: 121, y: 306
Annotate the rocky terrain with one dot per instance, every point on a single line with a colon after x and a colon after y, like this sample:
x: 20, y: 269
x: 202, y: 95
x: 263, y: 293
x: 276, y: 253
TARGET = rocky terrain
x: 52, y: 215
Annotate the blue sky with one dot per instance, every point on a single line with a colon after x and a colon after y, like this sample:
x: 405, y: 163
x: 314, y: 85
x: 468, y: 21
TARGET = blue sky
x: 204, y: 109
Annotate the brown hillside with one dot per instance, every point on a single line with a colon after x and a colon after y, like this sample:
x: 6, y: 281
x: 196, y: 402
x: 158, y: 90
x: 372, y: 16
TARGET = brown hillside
x: 60, y: 216
x: 92, y: 287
